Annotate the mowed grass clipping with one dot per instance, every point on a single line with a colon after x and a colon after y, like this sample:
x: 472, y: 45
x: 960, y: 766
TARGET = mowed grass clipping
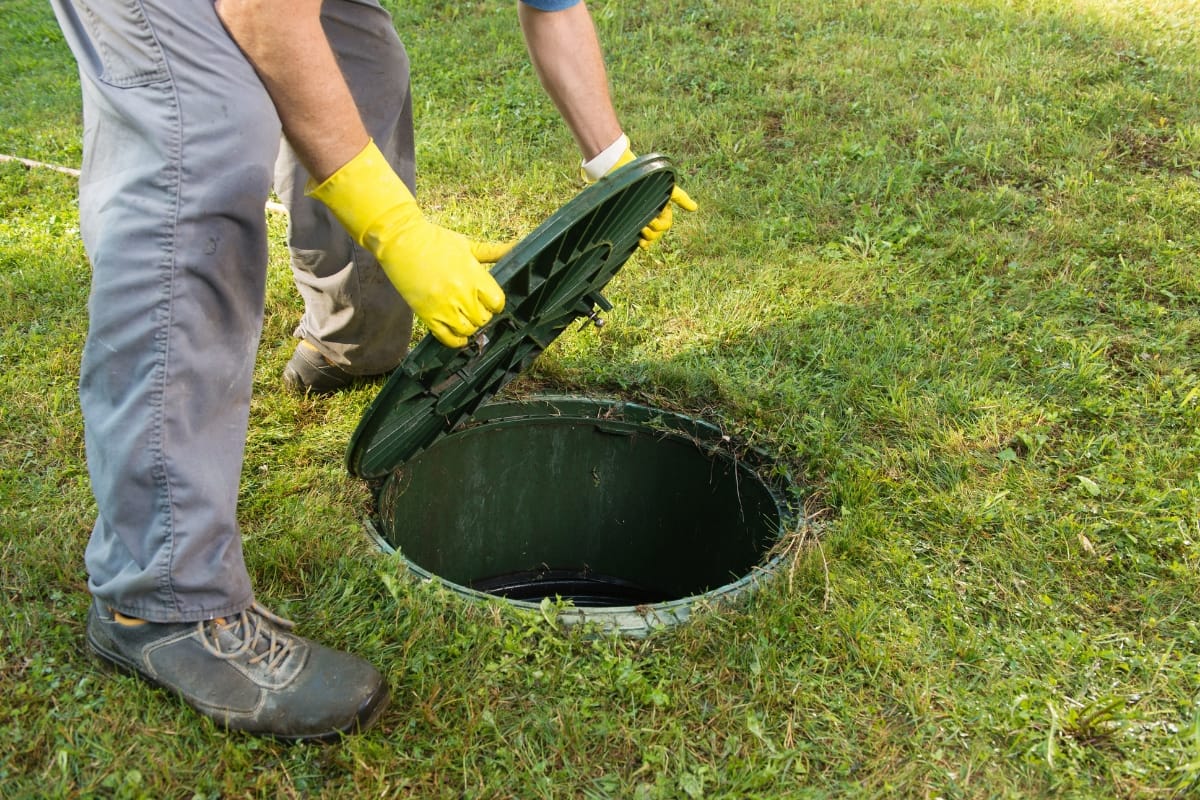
x: 945, y: 268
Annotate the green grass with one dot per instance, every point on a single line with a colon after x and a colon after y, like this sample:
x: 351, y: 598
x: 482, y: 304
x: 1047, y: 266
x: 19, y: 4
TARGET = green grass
x: 946, y: 268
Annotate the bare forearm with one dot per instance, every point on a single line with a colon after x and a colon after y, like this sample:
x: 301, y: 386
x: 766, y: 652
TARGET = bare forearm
x: 567, y: 57
x: 284, y: 41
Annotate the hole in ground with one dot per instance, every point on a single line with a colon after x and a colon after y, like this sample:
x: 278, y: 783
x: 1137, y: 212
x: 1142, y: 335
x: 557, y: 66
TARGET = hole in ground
x: 605, y: 504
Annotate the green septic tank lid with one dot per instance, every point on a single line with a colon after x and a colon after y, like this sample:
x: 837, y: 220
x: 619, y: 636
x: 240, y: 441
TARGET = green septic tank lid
x: 551, y: 278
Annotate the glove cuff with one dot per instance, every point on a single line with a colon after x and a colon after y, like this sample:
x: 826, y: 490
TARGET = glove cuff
x: 362, y: 190
x: 606, y: 160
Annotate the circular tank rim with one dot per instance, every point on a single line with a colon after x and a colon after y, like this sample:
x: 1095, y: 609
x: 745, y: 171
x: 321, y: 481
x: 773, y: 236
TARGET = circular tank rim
x: 628, y: 620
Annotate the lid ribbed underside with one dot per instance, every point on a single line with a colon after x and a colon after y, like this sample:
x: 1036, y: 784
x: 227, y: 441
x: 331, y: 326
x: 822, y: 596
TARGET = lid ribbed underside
x: 551, y: 278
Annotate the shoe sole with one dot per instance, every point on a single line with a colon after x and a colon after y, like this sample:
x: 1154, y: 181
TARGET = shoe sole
x: 296, y: 385
x: 366, y: 716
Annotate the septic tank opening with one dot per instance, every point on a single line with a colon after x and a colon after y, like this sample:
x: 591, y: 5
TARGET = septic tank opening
x: 630, y: 513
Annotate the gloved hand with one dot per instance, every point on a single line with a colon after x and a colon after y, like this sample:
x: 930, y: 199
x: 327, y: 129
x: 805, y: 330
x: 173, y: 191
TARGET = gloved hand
x: 437, y: 271
x: 603, y: 164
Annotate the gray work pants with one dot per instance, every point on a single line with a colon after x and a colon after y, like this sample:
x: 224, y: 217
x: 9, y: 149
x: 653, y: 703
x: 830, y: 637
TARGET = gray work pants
x: 181, y: 145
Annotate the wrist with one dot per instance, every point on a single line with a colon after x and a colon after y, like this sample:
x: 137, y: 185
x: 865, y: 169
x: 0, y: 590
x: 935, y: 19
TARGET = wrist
x: 603, y: 162
x: 362, y: 191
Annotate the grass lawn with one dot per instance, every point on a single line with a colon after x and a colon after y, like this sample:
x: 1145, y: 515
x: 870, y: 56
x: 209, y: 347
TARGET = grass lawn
x: 947, y: 267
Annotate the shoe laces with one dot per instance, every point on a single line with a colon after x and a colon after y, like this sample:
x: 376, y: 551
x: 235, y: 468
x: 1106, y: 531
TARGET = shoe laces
x: 256, y: 631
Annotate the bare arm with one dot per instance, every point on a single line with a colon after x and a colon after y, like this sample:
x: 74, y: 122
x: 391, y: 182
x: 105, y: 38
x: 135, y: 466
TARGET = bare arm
x: 437, y: 271
x: 285, y: 43
x: 566, y: 53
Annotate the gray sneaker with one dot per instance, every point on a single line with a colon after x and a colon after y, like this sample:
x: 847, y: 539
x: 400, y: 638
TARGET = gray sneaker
x: 310, y: 372
x: 247, y: 672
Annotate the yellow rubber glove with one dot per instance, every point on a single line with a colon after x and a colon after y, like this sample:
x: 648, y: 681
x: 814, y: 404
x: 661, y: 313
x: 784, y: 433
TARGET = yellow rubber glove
x: 437, y: 271
x: 660, y: 224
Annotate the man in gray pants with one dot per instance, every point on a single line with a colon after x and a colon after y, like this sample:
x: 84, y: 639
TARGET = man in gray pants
x: 184, y: 103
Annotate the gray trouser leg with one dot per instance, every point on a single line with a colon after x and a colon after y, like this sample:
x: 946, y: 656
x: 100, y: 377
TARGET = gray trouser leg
x: 179, y: 142
x: 352, y: 313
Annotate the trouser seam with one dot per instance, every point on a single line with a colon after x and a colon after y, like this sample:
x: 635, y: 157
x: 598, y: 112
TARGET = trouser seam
x: 170, y: 265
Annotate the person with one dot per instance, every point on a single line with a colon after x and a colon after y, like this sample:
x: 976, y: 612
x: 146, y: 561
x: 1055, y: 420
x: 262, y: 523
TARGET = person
x: 184, y: 105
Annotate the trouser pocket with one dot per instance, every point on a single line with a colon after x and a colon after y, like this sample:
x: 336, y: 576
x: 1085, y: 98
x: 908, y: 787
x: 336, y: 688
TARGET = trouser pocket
x: 120, y: 43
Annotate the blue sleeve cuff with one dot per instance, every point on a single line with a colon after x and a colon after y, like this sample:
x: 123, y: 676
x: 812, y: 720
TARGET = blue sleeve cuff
x: 550, y: 5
